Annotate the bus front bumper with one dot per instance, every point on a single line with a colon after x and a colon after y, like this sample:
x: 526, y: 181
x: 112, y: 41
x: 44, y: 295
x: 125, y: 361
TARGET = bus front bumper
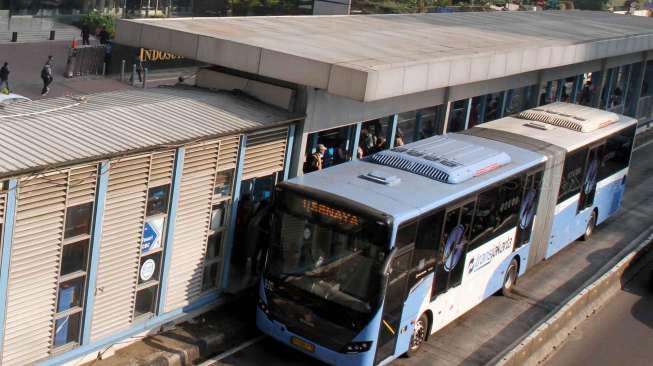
x: 279, y: 332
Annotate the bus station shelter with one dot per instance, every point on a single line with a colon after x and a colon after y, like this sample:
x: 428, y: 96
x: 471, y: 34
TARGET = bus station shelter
x: 383, y: 80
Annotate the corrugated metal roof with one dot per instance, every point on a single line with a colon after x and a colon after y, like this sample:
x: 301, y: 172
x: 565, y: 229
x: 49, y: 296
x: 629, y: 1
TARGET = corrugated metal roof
x: 52, y: 132
x: 372, y: 57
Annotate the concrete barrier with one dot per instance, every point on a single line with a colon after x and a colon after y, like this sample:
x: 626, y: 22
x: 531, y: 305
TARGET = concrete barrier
x: 548, y: 335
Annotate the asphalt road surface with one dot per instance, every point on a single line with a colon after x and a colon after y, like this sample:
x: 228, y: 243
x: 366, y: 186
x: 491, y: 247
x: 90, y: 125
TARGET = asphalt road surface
x: 482, y: 333
x: 620, y: 333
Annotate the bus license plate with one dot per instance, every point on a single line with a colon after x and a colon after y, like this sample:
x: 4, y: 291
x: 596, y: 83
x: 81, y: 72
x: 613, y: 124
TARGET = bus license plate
x: 310, y: 347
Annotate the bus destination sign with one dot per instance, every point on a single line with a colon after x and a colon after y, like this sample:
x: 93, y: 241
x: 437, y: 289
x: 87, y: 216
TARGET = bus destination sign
x: 340, y: 216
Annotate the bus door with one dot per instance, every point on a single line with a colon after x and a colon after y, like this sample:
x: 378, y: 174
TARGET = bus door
x: 453, y: 247
x: 395, y: 293
x: 590, y: 178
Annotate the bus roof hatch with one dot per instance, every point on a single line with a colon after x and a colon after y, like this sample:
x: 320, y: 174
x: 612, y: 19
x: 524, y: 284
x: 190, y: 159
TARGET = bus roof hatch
x: 442, y: 158
x: 572, y: 116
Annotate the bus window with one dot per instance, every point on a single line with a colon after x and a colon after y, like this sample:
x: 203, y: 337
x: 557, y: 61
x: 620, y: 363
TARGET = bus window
x: 528, y: 208
x: 616, y: 152
x: 572, y: 174
x: 590, y: 177
x: 426, y: 246
x: 485, y: 219
x: 456, y: 258
x: 508, y: 206
x: 406, y: 235
x: 453, y: 247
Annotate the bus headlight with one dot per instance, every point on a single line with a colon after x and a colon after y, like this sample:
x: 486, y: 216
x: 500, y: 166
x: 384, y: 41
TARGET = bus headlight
x: 357, y: 347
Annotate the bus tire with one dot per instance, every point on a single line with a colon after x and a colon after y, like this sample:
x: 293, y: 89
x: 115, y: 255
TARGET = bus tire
x: 420, y: 333
x: 589, y: 230
x: 510, y: 279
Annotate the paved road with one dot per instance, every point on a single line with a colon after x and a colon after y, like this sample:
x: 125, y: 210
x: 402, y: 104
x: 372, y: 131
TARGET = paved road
x: 482, y: 333
x: 620, y: 333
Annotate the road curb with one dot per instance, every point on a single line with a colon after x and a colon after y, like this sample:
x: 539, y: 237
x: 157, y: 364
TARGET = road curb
x: 550, y: 333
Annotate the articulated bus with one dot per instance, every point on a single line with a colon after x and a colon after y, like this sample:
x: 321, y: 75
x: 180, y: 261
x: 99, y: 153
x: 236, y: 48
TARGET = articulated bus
x: 370, y: 258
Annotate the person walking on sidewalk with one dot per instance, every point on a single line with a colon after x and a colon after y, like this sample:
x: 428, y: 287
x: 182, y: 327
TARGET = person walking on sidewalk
x: 4, y: 77
x: 47, y: 76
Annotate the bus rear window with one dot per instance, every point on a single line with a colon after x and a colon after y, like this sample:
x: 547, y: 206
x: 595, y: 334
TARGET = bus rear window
x: 616, y: 152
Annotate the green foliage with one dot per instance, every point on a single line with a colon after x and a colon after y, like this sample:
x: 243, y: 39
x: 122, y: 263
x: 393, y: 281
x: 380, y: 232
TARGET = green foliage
x: 98, y: 20
x: 262, y: 7
x: 590, y: 4
x: 396, y: 6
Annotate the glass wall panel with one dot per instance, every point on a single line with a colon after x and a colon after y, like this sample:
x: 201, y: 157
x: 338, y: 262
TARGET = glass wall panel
x: 419, y: 124
x: 647, y: 84
x: 520, y: 99
x: 458, y: 115
x: 618, y: 88
x: 338, y: 143
x: 374, y: 136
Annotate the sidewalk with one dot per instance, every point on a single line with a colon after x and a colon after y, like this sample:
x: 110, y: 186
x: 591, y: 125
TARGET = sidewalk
x: 214, y: 332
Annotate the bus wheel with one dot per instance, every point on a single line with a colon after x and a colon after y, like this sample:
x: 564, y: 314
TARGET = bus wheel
x: 511, y: 277
x: 420, y: 330
x: 591, y: 224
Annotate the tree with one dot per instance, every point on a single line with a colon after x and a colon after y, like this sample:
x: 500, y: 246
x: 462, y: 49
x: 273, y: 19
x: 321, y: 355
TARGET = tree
x: 590, y: 4
x: 396, y: 6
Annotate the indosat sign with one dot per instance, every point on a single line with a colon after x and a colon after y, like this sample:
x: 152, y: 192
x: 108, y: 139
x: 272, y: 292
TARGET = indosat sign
x: 155, y: 55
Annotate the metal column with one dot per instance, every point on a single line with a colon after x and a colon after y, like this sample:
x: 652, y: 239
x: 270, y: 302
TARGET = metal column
x: 96, y: 237
x: 7, y: 241
x: 357, y: 136
x: 393, y: 131
x: 231, y: 230
x: 170, y: 227
x: 289, y: 146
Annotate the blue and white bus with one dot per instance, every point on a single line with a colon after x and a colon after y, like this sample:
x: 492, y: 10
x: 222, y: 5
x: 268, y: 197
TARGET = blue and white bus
x: 371, y: 257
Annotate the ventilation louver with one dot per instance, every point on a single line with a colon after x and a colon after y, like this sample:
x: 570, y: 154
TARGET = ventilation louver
x: 442, y: 158
x: 570, y: 116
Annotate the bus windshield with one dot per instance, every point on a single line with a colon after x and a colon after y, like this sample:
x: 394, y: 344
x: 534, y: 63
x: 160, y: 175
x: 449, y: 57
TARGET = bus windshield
x: 329, y: 252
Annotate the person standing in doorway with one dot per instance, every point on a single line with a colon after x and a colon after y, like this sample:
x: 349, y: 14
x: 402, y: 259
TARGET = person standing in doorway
x: 4, y: 77
x: 47, y: 75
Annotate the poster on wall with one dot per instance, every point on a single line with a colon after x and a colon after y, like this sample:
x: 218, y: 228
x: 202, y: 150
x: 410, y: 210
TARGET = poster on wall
x: 152, y: 233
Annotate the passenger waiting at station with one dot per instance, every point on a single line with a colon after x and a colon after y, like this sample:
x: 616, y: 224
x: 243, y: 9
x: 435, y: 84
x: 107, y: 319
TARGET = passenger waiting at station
x: 586, y: 93
x: 367, y: 141
x: 399, y: 138
x: 316, y: 160
x: 381, y: 144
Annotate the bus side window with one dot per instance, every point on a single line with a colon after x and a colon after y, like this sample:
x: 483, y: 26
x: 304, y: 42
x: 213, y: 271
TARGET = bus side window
x: 616, y: 152
x: 572, y: 174
x: 427, y: 245
x: 509, y: 198
x: 485, y: 220
x: 406, y: 235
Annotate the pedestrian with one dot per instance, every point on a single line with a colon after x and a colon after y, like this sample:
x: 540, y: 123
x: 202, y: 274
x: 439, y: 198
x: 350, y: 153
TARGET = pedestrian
x: 139, y: 69
x: 107, y: 57
x: 104, y: 36
x: 47, y: 75
x: 4, y: 77
x: 316, y: 160
x: 86, y: 35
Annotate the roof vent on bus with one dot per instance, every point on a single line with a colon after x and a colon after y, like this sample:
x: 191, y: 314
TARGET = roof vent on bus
x: 572, y: 116
x: 442, y: 158
x: 382, y: 177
